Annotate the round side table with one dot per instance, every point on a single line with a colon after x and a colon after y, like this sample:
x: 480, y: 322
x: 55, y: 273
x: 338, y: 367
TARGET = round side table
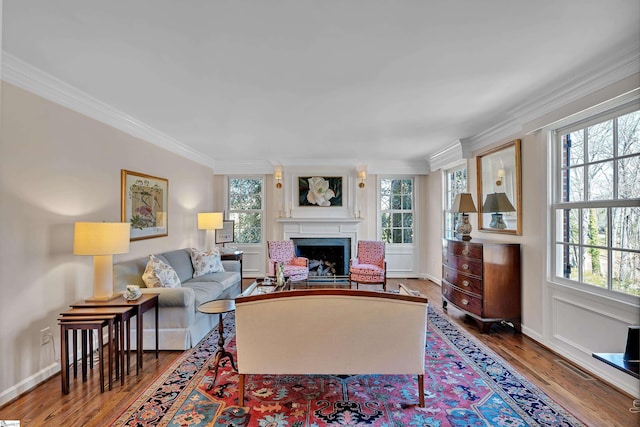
x: 219, y: 307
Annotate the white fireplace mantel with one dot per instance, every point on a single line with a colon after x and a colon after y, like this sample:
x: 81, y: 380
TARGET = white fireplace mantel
x: 321, y: 227
x: 320, y: 220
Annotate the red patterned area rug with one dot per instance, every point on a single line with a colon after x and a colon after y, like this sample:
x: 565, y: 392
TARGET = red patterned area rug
x: 466, y: 384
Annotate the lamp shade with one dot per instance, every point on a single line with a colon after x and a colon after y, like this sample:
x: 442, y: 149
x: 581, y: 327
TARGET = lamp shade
x: 210, y: 220
x: 497, y: 202
x: 463, y: 203
x: 277, y: 174
x: 101, y: 238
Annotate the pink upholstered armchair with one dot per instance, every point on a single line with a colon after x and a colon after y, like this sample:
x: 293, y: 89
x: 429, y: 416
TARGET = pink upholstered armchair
x: 370, y: 266
x: 297, y: 268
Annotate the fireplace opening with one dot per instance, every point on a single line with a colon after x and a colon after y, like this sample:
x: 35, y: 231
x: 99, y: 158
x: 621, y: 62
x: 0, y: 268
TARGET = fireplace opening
x: 327, y: 256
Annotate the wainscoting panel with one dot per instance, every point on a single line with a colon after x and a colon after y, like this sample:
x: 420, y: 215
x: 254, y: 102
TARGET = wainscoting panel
x: 582, y: 323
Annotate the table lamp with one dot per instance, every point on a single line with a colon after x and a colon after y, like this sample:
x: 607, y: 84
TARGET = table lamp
x: 463, y: 203
x: 210, y: 221
x: 102, y: 240
x: 496, y: 203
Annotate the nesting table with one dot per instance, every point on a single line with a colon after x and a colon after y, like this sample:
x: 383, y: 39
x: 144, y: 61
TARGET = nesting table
x: 146, y: 302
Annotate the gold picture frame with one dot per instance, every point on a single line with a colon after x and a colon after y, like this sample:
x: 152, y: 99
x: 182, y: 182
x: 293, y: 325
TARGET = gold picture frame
x: 499, y: 178
x: 145, y: 204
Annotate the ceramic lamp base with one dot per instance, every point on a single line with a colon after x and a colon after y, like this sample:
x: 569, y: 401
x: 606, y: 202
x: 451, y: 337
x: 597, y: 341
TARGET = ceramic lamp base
x: 497, y: 222
x: 464, y: 228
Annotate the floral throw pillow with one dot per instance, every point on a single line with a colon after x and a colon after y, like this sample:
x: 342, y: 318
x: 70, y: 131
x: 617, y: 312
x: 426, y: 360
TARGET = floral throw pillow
x: 159, y: 274
x: 206, y: 262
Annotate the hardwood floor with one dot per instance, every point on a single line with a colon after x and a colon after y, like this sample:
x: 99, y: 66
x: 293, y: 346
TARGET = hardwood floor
x: 590, y: 400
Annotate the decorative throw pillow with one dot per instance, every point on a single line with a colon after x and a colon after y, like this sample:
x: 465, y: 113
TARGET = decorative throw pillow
x: 159, y: 274
x: 206, y: 262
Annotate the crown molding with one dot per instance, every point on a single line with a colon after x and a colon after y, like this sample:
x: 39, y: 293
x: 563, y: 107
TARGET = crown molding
x: 618, y: 65
x: 610, y: 69
x: 21, y: 74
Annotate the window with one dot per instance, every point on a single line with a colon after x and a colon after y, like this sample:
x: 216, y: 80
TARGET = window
x: 396, y: 206
x: 246, y: 203
x: 455, y: 183
x: 597, y: 203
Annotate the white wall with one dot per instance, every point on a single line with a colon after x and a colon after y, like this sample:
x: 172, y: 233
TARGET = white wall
x: 58, y: 167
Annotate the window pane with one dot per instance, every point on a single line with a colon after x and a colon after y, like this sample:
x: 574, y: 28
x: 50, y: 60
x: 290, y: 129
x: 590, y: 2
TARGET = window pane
x: 625, y: 228
x: 594, y: 227
x: 625, y: 277
x: 576, y: 184
x: 396, y: 220
x: 397, y: 235
x: 406, y: 202
x: 568, y: 225
x: 601, y: 181
x: 629, y: 178
x: 600, y: 141
x: 629, y: 134
x: 568, y: 265
x: 247, y: 227
x: 594, y: 266
x: 396, y: 202
x: 407, y: 220
x: 385, y: 202
x: 575, y: 150
x: 407, y: 235
x: 386, y: 220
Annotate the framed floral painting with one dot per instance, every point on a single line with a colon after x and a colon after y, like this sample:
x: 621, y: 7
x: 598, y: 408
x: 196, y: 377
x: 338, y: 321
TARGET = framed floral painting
x: 145, y: 205
x: 320, y: 191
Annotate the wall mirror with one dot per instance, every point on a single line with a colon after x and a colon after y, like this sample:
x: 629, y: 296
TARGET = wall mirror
x: 499, y: 198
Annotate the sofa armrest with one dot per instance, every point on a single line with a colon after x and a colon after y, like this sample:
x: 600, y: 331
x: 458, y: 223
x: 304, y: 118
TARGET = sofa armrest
x: 173, y: 297
x: 231, y: 265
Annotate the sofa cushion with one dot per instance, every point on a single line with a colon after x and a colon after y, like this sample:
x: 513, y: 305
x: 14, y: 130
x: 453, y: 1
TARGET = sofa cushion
x: 180, y: 260
x: 205, y: 262
x: 226, y: 279
x: 159, y: 274
x: 204, y: 291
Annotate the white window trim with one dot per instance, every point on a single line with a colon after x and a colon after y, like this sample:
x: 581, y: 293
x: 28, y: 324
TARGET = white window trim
x: 227, y: 209
x: 614, y: 108
x: 452, y: 168
x: 416, y: 230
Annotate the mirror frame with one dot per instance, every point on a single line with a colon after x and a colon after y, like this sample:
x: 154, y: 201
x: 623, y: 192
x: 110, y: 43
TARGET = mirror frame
x: 517, y: 188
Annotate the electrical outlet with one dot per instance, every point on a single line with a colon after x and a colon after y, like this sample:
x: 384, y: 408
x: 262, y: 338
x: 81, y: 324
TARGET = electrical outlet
x: 45, y: 336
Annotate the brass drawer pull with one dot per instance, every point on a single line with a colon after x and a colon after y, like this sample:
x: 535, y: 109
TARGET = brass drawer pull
x: 465, y: 252
x: 465, y: 266
x: 465, y: 283
x: 464, y: 302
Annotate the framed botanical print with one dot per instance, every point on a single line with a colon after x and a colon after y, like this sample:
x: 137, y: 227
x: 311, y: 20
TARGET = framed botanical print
x: 145, y: 204
x: 320, y: 191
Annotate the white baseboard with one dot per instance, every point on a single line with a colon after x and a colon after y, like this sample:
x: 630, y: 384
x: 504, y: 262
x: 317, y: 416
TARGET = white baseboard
x: 29, y: 383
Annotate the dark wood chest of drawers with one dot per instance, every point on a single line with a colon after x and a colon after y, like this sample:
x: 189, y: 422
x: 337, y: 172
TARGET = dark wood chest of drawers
x: 482, y: 279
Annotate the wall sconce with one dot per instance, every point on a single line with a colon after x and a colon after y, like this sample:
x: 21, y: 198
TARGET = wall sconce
x: 362, y: 176
x: 210, y: 221
x: 102, y: 240
x: 277, y: 175
x: 501, y: 175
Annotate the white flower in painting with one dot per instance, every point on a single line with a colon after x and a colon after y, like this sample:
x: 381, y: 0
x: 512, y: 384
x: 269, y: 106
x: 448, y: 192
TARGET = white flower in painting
x: 319, y: 192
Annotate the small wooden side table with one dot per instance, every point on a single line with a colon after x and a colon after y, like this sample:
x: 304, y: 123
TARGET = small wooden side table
x: 234, y: 256
x: 146, y: 302
x: 85, y: 324
x: 123, y: 318
x: 219, y: 307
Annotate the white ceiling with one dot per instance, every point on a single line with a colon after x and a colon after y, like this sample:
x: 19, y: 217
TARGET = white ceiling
x: 316, y: 80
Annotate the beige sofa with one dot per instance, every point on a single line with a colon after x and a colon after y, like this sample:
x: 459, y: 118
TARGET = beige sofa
x: 331, y: 331
x: 180, y: 324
